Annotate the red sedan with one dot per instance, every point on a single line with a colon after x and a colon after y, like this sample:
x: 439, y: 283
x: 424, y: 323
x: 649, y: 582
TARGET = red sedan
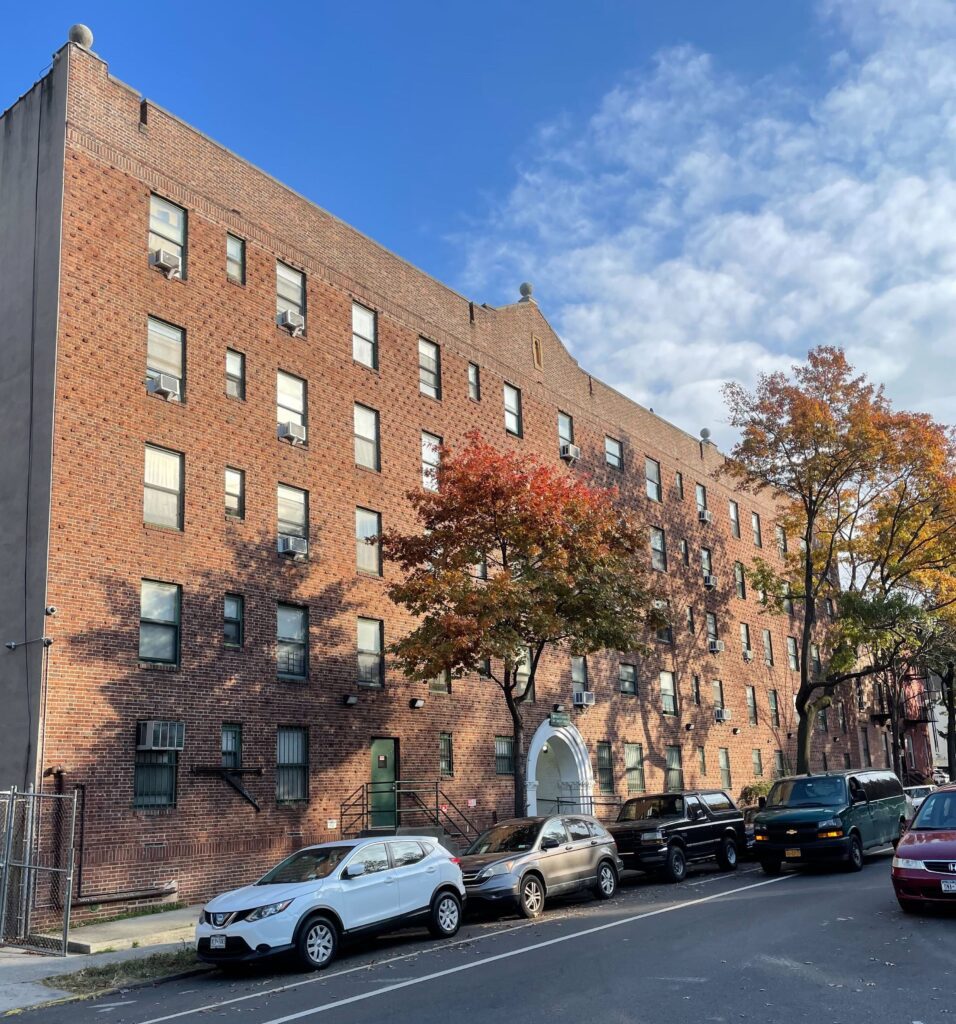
x: 924, y: 868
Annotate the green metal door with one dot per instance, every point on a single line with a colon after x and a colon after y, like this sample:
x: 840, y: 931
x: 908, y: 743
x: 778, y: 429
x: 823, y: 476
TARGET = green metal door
x: 382, y: 790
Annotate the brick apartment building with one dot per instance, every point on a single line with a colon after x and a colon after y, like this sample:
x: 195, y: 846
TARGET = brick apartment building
x: 204, y: 374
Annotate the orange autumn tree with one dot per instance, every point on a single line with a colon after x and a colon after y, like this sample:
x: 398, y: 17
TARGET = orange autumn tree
x: 513, y: 556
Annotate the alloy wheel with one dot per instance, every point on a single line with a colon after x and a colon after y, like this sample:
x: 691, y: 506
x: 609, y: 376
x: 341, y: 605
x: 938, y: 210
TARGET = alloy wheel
x: 532, y: 897
x: 448, y: 915
x: 607, y: 880
x: 319, y: 943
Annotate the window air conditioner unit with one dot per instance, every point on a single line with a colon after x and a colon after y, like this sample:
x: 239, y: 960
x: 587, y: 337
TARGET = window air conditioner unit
x: 721, y: 714
x: 748, y: 654
x: 715, y: 646
x: 158, y: 735
x: 165, y: 385
x: 584, y: 699
x: 168, y: 262
x: 705, y: 515
x: 710, y: 581
x: 293, y: 547
x: 293, y: 322
x: 570, y: 452
x: 294, y: 433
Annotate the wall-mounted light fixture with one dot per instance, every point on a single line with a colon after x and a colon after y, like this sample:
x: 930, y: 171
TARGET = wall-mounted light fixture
x: 689, y: 727
x: 350, y: 700
x: 416, y: 703
x: 559, y: 707
x: 736, y: 730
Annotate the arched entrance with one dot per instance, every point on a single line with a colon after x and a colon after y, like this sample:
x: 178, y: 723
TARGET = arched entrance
x: 559, y: 771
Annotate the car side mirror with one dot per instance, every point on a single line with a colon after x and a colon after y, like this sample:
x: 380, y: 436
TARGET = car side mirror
x: 549, y: 843
x: 354, y: 870
x: 859, y: 797
x: 694, y: 813
x: 761, y: 802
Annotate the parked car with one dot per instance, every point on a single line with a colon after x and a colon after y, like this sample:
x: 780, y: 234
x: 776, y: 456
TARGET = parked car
x: 915, y: 795
x: 940, y: 776
x: 520, y: 863
x: 924, y: 868
x: 749, y: 813
x: 664, y: 832
x: 322, y: 894
x: 833, y: 817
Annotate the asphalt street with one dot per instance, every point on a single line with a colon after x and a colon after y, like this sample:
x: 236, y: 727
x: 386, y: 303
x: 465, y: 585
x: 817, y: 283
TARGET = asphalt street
x: 827, y: 947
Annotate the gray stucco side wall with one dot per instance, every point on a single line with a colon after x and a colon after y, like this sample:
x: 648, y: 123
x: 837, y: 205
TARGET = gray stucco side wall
x: 32, y: 145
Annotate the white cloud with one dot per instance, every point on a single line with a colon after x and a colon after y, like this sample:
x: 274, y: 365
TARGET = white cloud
x: 700, y: 228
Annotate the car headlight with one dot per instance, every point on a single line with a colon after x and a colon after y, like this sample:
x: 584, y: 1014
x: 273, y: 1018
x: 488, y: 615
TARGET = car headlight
x: 831, y: 823
x: 270, y: 910
x: 655, y: 836
x: 905, y: 862
x: 504, y: 868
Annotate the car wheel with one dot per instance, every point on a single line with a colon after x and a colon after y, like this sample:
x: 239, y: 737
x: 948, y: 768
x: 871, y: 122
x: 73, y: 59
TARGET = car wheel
x: 606, y: 885
x: 771, y: 867
x: 317, y: 944
x: 445, y: 917
x: 727, y: 855
x: 675, y: 866
x: 531, y: 899
x: 854, y: 861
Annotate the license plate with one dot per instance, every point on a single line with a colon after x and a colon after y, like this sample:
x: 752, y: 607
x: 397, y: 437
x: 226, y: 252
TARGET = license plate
x: 793, y: 852
x: 217, y: 941
x: 949, y: 886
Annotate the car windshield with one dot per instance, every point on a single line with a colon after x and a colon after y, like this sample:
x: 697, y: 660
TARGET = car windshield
x: 646, y: 807
x: 919, y: 791
x: 825, y: 791
x: 307, y: 865
x: 513, y: 838
x: 937, y: 812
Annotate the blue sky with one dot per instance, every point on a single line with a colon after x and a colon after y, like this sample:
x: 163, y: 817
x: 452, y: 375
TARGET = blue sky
x: 699, y: 190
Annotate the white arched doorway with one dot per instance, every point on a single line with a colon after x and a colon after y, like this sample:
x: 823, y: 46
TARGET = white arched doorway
x: 559, y: 771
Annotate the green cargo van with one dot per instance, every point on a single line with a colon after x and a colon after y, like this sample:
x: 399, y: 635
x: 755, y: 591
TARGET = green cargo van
x: 835, y: 817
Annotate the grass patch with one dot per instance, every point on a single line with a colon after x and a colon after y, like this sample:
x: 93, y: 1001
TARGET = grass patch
x: 106, y: 977
x: 153, y: 908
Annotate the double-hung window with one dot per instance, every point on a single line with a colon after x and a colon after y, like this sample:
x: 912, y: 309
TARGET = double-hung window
x: 627, y: 678
x: 431, y: 459
x: 235, y: 374
x: 167, y: 229
x: 779, y: 769
x: 565, y: 431
x: 781, y: 541
x: 291, y: 401
x: 793, y: 658
x: 755, y: 525
x: 446, y: 757
x: 290, y: 292
x: 163, y: 488
x: 235, y: 259
x: 613, y: 453
x: 232, y: 620
x: 767, y: 647
x: 634, y: 767
x: 745, y: 638
x: 773, y: 702
x: 668, y: 693
x: 700, y: 496
x: 723, y: 760
x: 166, y: 352
x: 815, y: 664
x: 292, y: 511
x: 371, y: 663
x: 717, y: 689
x: 235, y: 493
x: 752, y: 705
x: 513, y: 419
x: 579, y: 673
x: 474, y: 382
x: 292, y: 764
x: 757, y: 761
x: 429, y: 368
x: 366, y: 437
x: 673, y: 770
x: 368, y: 548
x: 504, y: 755
x: 292, y: 641
x: 364, y: 336
x: 679, y: 485
x: 740, y: 581
x: 706, y: 562
x: 734, y: 510
x: 605, y: 767
x: 159, y: 619
x: 652, y: 472
x: 658, y: 549
x: 710, y: 620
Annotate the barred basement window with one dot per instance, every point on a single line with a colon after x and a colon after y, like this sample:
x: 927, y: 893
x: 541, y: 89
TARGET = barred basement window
x: 446, y: 761
x: 235, y: 374
x: 163, y: 488
x: 371, y: 664
x: 634, y: 767
x: 364, y: 336
x: 673, y: 770
x: 504, y: 755
x: 231, y: 745
x: 605, y: 768
x: 292, y: 764
x: 154, y: 778
x: 429, y: 368
x: 292, y: 636
x: 368, y: 548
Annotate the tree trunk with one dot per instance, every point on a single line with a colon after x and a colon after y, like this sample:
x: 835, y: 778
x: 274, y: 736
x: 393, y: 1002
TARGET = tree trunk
x: 805, y: 693
x: 520, y: 773
x: 804, y: 740
x: 949, y: 696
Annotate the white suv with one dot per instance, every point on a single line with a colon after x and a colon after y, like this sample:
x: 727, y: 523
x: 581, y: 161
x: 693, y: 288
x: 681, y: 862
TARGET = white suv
x: 322, y: 893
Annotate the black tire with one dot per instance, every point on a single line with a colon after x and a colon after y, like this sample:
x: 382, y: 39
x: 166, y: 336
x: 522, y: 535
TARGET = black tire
x: 854, y: 860
x: 771, y: 867
x: 606, y: 885
x: 445, y: 917
x: 675, y: 866
x: 727, y: 854
x: 531, y: 897
x: 318, y: 943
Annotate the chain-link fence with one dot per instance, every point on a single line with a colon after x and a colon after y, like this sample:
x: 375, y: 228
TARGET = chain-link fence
x: 36, y: 869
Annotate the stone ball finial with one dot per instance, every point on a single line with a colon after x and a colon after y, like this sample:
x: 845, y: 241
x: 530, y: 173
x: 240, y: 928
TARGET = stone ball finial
x: 705, y: 433
x: 526, y: 289
x: 82, y: 36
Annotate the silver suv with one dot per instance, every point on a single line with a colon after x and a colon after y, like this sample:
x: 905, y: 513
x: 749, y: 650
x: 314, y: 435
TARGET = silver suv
x: 519, y: 863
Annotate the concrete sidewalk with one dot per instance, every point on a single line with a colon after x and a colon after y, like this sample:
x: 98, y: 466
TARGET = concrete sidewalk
x: 146, y: 930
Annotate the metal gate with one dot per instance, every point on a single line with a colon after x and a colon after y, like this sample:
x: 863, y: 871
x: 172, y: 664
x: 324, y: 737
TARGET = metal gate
x: 36, y: 869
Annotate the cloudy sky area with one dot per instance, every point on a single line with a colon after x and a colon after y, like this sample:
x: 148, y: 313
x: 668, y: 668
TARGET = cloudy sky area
x: 699, y: 227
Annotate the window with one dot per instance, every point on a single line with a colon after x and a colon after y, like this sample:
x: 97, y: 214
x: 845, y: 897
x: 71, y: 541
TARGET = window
x: 504, y: 755
x: 673, y: 770
x: 579, y: 673
x: 652, y: 471
x: 431, y: 459
x: 163, y: 488
x: 154, y: 778
x: 734, y: 510
x: 691, y: 625
x: 831, y: 610
x: 429, y: 368
x: 684, y: 551
x: 815, y: 662
x: 292, y: 641
x: 165, y: 351
x: 291, y: 402
x: 826, y: 762
x: 755, y: 526
x: 846, y: 760
x: 292, y: 764
x: 484, y: 668
x: 368, y: 548
x: 745, y: 637
x: 793, y: 659
x: 757, y: 760
x: 605, y: 768
x: 665, y: 632
x: 786, y: 602
x: 702, y: 762
x: 844, y: 727
x: 232, y: 620
x: 774, y: 703
x: 781, y: 540
x: 373, y: 857
x: 235, y: 374
x: 159, y: 618
x: 613, y: 453
x: 231, y: 743
x: 565, y: 430
x: 371, y: 663
x: 446, y: 759
x: 679, y: 485
x: 658, y: 549
x: 167, y: 229
x: 711, y: 620
x: 523, y: 691
x: 767, y: 647
x: 740, y: 581
x: 700, y: 495
x: 366, y: 437
x: 293, y: 511
x: 235, y: 493
x: 364, y: 336
x: 823, y: 724
x: 474, y: 382
x: 290, y: 291
x: 627, y: 678
x: 634, y: 767
x: 695, y: 689
x: 723, y: 760
x: 706, y: 562
x: 513, y: 422
x: 778, y: 766
x: 235, y: 259
x: 717, y: 688
x: 440, y: 683
x: 751, y: 705
x: 668, y: 693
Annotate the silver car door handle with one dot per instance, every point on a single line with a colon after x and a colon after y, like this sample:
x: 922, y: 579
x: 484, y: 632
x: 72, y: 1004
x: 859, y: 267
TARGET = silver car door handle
x: 569, y: 847
x: 431, y: 870
x: 594, y: 842
x: 389, y: 881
